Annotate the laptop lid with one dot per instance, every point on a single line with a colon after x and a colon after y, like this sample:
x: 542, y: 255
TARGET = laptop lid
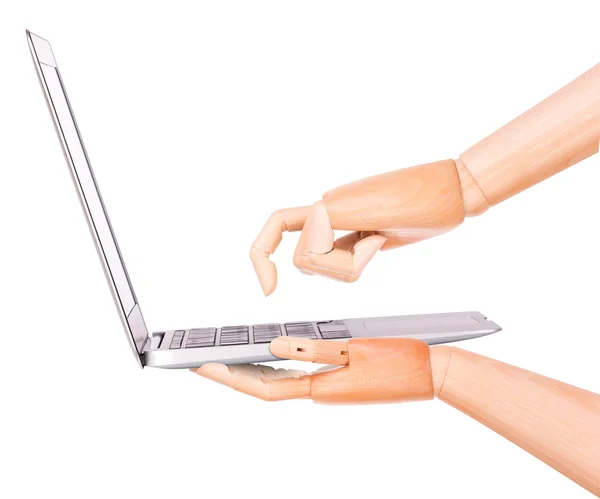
x: 89, y: 194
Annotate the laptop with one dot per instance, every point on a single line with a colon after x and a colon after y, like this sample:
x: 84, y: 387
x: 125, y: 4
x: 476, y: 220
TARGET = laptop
x: 192, y: 347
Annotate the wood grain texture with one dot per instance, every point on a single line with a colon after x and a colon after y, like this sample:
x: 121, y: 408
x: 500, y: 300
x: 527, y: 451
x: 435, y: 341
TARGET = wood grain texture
x: 280, y: 221
x: 474, y: 200
x: 308, y: 350
x: 382, y: 212
x: 555, y: 134
x: 379, y: 370
x: 317, y: 251
x: 411, y: 204
x: 556, y: 422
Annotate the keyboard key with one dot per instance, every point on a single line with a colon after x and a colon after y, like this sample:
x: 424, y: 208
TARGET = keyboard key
x: 234, y: 335
x: 267, y: 328
x: 203, y: 333
x: 211, y: 337
x: 208, y: 341
x: 228, y: 342
x: 332, y: 326
x: 332, y: 330
x: 336, y: 335
x: 205, y: 337
x: 264, y: 333
x: 177, y: 339
x: 301, y: 330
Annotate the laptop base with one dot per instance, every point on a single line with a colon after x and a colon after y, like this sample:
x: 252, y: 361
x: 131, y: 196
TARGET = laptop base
x: 180, y: 349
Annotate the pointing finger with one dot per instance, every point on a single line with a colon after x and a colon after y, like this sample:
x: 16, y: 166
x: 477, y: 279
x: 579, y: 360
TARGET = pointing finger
x: 291, y: 219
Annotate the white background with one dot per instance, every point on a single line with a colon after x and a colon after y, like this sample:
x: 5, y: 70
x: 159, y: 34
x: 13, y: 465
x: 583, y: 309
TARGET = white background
x: 200, y: 119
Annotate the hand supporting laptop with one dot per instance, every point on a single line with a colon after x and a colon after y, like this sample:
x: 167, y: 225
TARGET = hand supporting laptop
x: 409, y: 205
x: 556, y: 422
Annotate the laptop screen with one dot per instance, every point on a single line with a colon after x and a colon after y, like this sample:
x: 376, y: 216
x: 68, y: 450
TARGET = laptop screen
x: 89, y: 194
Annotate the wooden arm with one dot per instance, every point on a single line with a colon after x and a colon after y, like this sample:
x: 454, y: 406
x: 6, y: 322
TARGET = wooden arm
x: 408, y: 205
x: 557, y: 423
x: 555, y: 134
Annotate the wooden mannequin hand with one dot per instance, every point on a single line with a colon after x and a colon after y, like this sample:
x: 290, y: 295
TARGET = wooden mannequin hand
x: 556, y: 422
x: 374, y: 370
x: 413, y: 204
x: 382, y: 212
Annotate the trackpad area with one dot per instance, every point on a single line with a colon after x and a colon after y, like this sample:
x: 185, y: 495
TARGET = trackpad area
x: 408, y: 326
x: 427, y: 327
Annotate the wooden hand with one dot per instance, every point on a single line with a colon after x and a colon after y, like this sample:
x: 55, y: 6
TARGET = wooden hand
x: 409, y: 205
x: 400, y: 373
x: 556, y: 422
x: 381, y: 212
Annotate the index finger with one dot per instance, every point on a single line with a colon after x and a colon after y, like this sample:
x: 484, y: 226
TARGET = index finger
x: 287, y: 220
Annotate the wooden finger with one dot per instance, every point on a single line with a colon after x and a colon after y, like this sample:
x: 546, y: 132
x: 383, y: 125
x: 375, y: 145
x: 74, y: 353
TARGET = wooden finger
x: 301, y: 260
x: 348, y: 241
x: 319, y: 351
x: 287, y: 220
x: 261, y: 382
x: 322, y: 254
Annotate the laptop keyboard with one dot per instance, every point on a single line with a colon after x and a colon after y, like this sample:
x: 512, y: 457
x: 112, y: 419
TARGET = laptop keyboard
x: 260, y: 333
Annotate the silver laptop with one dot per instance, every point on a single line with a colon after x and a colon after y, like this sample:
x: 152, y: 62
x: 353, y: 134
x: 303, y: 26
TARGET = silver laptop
x: 184, y: 348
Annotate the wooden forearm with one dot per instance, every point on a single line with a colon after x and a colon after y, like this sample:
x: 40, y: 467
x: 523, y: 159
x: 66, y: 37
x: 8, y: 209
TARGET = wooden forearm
x: 412, y: 204
x: 428, y: 200
x: 557, y: 423
x: 555, y: 134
